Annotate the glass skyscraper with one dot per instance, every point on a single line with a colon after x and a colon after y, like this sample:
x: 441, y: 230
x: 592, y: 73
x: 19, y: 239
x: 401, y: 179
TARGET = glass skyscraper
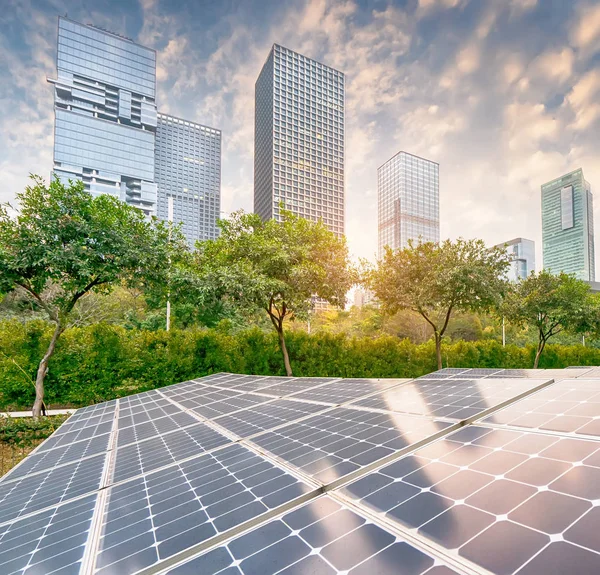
x: 568, y: 226
x: 188, y: 169
x: 408, y: 201
x: 299, y: 139
x: 522, y: 254
x: 105, y: 113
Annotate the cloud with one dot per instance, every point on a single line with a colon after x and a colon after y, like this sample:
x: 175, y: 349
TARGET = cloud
x: 585, y: 32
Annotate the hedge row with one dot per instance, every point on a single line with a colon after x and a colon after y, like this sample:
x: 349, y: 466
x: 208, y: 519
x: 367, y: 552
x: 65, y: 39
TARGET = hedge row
x: 101, y: 362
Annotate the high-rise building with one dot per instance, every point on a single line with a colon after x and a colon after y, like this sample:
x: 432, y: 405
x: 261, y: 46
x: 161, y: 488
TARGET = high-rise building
x: 105, y: 113
x: 408, y: 201
x: 568, y: 226
x: 188, y: 170
x: 522, y: 254
x: 299, y: 139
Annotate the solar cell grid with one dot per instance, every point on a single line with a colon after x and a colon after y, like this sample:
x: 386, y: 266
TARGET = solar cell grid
x: 457, y: 399
x: 150, y: 454
x: 72, y: 424
x: 568, y: 406
x: 230, y: 405
x: 152, y: 428
x: 156, y: 516
x: 52, y: 541
x: 192, y: 399
x: 63, y: 439
x: 330, y: 445
x: 35, y: 492
x: 344, y: 390
x: 44, y: 460
x: 323, y: 537
x: 263, y: 417
x: 295, y: 385
x: 256, y: 384
x: 506, y: 500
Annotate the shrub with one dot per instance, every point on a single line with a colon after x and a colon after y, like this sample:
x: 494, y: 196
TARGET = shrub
x: 100, y: 362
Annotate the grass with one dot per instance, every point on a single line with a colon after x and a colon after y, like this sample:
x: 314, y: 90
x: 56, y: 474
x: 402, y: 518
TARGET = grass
x: 10, y: 455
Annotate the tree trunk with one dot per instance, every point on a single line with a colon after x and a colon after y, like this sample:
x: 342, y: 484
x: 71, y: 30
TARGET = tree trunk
x: 538, y: 354
x: 438, y: 350
x: 42, y: 371
x: 284, y: 352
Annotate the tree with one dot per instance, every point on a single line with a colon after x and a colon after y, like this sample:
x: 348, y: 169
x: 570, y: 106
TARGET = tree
x: 434, y: 280
x: 552, y: 304
x: 63, y: 244
x: 277, y: 267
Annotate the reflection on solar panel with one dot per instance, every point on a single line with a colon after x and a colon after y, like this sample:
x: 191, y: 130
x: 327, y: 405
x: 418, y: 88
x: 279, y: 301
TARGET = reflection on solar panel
x: 321, y: 537
x: 330, y: 445
x: 344, y: 390
x: 294, y: 385
x: 505, y: 500
x: 569, y: 406
x: 267, y: 416
x: 456, y: 472
x: 458, y: 399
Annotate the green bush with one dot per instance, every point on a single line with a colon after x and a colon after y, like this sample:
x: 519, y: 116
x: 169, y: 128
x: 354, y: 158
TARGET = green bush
x: 100, y: 362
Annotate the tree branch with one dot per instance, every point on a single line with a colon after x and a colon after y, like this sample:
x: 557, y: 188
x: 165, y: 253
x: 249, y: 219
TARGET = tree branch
x: 51, y: 313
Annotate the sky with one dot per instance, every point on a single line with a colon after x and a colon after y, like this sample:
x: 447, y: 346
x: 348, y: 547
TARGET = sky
x: 503, y: 94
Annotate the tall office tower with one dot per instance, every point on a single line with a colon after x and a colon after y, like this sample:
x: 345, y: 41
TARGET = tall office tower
x: 408, y: 201
x: 568, y: 226
x: 188, y: 170
x: 522, y: 254
x: 105, y: 114
x: 299, y: 139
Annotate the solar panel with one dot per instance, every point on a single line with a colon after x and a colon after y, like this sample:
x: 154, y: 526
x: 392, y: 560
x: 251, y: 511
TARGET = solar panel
x: 295, y: 385
x: 505, y: 500
x: 35, y: 492
x: 140, y: 484
x: 230, y: 405
x: 44, y: 460
x: 150, y: 454
x: 320, y: 538
x: 151, y: 518
x: 340, y: 441
x: 263, y: 417
x: 569, y: 406
x: 457, y: 399
x: 52, y: 541
x: 344, y: 390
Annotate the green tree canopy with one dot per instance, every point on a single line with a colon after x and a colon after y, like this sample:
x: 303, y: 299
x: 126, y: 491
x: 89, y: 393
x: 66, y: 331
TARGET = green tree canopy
x: 63, y: 243
x: 552, y: 304
x: 276, y: 267
x: 434, y: 280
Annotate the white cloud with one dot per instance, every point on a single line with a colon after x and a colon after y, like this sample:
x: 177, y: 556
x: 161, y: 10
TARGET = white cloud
x: 585, y: 33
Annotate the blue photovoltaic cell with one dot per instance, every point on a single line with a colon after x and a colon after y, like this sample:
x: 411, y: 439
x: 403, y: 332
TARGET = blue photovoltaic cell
x: 263, y: 417
x: 149, y: 429
x: 145, y: 456
x: 156, y: 516
x: 52, y: 541
x: 34, y: 492
x: 322, y: 537
x: 44, y: 460
x: 236, y: 403
x: 330, y: 445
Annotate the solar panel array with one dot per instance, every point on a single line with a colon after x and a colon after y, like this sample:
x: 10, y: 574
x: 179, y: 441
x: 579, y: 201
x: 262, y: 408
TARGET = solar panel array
x: 459, y: 471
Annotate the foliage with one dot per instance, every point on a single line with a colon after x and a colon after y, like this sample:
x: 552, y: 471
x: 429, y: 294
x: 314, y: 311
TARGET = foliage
x: 552, y: 304
x: 27, y: 431
x: 434, y: 280
x: 275, y: 267
x: 64, y: 243
x: 103, y: 361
